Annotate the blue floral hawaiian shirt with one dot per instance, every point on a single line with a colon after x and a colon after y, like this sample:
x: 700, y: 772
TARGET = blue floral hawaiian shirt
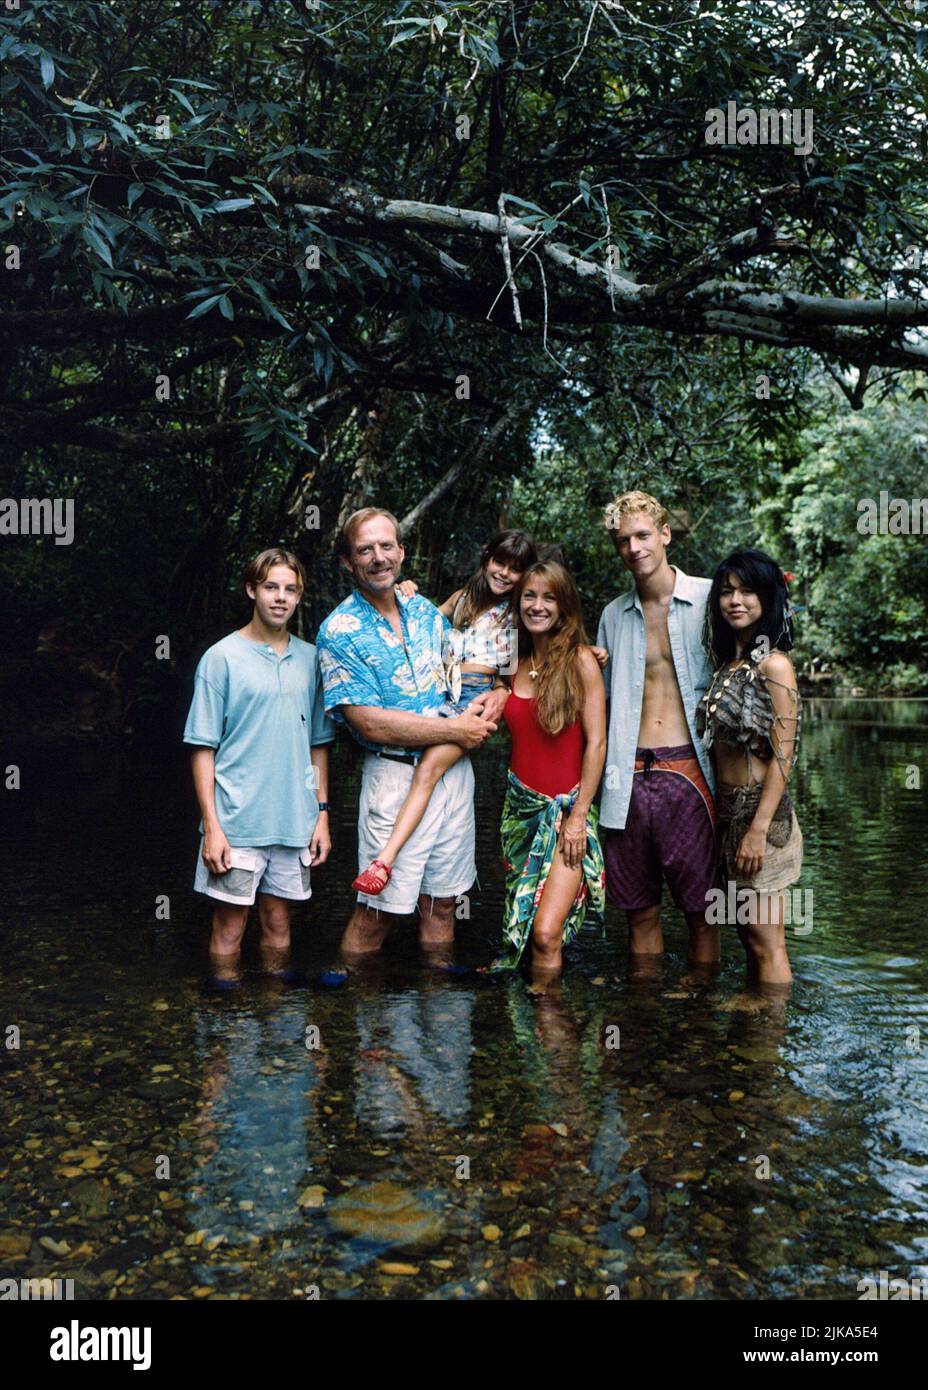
x: 364, y: 662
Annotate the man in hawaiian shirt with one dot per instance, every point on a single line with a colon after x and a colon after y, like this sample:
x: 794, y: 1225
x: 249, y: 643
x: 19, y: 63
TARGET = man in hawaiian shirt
x: 382, y: 676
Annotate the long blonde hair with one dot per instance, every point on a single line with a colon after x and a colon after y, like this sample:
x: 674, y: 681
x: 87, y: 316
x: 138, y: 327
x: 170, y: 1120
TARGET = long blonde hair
x: 559, y: 692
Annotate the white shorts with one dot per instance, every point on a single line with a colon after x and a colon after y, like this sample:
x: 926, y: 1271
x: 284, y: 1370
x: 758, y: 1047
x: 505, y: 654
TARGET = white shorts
x: 276, y: 869
x: 438, y: 858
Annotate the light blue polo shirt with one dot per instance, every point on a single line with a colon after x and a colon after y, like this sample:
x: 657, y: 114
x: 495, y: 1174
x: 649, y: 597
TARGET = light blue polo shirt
x: 622, y: 633
x: 262, y: 713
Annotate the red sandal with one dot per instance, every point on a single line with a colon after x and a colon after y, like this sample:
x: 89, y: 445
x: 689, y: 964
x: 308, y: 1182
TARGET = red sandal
x: 367, y: 883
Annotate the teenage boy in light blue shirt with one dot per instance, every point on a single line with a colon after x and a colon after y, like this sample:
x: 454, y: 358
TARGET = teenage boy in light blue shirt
x: 258, y: 729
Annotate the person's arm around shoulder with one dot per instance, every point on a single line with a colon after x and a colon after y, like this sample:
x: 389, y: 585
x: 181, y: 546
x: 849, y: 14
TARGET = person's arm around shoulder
x: 447, y: 608
x: 593, y: 720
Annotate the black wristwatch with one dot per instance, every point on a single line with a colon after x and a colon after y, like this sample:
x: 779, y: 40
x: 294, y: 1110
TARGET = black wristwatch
x: 322, y: 806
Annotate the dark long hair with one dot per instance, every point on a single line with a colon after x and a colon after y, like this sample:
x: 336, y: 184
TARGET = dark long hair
x: 760, y: 572
x: 516, y: 548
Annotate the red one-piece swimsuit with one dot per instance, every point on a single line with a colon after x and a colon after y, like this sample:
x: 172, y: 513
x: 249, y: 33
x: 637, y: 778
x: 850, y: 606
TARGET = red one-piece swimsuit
x: 548, y: 763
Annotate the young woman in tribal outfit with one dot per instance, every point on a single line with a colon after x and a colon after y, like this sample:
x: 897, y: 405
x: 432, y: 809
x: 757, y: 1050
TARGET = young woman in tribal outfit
x: 749, y: 717
x: 556, y: 716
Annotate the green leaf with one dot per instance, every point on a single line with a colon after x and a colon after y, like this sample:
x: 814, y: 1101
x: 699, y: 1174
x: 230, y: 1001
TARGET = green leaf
x: 205, y: 306
x: 144, y: 224
x: 521, y: 203
x: 48, y: 70
x: 288, y: 434
x: 231, y: 205
x: 102, y: 226
x: 405, y: 34
x: 259, y: 430
x: 266, y: 193
x: 226, y: 308
x: 183, y: 100
x: 135, y: 192
x: 96, y: 242
x: 16, y: 192
x: 370, y: 261
x: 266, y: 304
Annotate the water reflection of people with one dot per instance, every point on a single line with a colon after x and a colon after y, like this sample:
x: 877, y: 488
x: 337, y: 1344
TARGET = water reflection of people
x: 425, y: 1038
x: 574, y: 1083
x: 256, y: 1135
x: 751, y: 712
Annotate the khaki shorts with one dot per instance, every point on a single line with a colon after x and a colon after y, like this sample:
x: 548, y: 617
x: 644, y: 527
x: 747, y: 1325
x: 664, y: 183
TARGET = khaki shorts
x: 276, y: 869
x: 438, y: 858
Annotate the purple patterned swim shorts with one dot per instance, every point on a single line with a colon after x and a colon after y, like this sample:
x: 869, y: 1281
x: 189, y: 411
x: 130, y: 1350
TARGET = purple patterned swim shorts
x: 669, y: 833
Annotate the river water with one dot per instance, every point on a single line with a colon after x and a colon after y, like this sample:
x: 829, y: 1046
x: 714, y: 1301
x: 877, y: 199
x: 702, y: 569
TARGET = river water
x: 419, y: 1136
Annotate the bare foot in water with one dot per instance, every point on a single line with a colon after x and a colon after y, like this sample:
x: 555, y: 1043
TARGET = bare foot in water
x: 742, y: 1004
x: 699, y: 975
x: 543, y: 982
x: 757, y: 1000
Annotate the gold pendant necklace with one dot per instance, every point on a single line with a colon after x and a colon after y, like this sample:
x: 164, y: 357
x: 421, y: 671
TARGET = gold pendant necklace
x: 532, y: 672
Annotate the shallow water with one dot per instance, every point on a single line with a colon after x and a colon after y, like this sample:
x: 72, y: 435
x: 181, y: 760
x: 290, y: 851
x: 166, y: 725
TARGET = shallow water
x: 448, y: 1138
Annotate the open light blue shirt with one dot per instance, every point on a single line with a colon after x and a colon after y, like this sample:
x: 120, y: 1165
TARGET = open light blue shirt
x: 262, y: 713
x: 365, y: 663
x: 622, y: 633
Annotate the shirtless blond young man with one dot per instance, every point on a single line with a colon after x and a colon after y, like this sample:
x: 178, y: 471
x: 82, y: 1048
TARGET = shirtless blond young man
x: 657, y: 809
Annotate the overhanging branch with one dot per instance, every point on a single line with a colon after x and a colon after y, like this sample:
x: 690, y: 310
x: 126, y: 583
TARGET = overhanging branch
x: 684, y: 302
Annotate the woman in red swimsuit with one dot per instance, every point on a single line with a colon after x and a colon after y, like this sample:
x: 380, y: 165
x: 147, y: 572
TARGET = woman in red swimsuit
x: 556, y: 715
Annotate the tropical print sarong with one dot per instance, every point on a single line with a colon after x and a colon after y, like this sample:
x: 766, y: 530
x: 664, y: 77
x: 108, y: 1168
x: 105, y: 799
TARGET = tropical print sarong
x: 530, y: 827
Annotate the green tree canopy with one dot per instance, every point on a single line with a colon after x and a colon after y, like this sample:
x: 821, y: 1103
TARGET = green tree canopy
x: 264, y: 257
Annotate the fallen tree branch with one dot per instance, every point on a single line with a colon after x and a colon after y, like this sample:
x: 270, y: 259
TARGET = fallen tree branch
x: 684, y: 302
